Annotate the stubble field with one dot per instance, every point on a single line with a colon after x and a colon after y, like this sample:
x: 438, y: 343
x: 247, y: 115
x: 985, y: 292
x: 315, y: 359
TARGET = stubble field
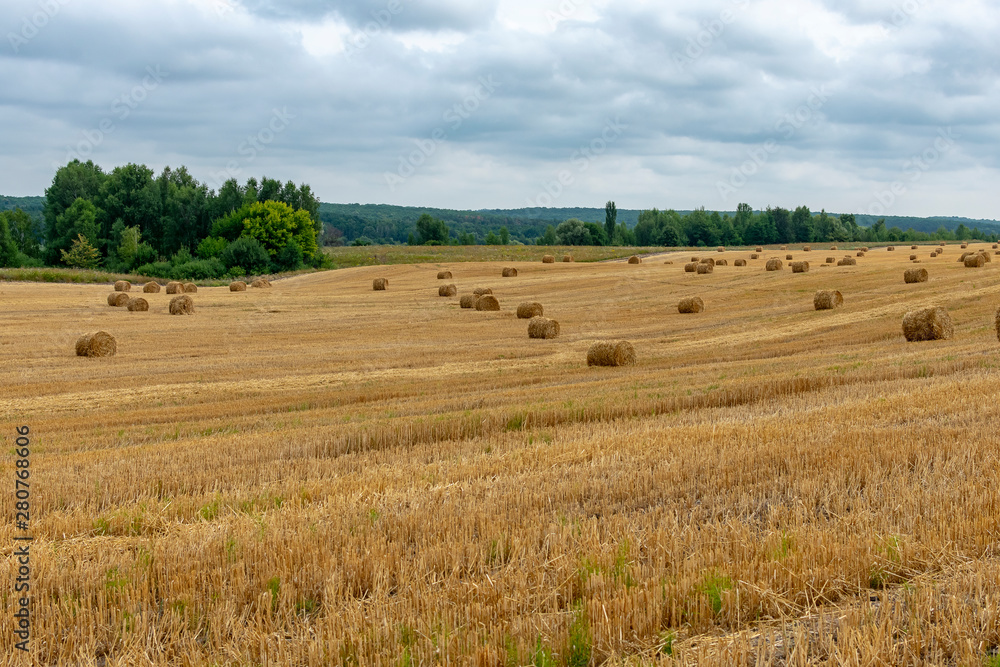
x: 322, y: 474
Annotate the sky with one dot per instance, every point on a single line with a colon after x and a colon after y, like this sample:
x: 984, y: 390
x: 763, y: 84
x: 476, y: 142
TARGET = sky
x: 887, y: 107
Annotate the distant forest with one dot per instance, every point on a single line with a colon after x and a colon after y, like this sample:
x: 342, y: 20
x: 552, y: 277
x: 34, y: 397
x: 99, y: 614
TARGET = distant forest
x: 130, y: 219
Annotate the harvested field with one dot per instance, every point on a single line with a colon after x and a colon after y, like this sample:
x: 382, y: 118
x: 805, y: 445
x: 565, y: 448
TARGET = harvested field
x: 310, y: 471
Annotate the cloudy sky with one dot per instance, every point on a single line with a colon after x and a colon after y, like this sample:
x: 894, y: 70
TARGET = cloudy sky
x: 886, y: 106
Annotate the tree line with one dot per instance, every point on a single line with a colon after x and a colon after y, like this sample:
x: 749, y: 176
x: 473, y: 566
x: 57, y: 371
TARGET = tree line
x: 170, y: 225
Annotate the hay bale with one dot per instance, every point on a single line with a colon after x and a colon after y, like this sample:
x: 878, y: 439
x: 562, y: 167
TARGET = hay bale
x: 529, y: 309
x: 754, y: 256
x: 118, y: 299
x: 691, y: 268
x: 548, y: 259
x: 380, y: 284
x: 182, y: 305
x: 722, y: 262
x: 611, y: 353
x: 567, y: 258
x: 806, y: 248
x: 97, y: 344
x: 264, y: 283
x: 480, y: 291
x: 890, y: 248
x: 190, y: 288
x: 963, y: 256
x: 831, y: 260
x: 847, y: 261
x: 774, y: 265
x: 964, y: 246
x: 996, y: 245
x: 444, y: 275
x: 927, y: 324
x: 542, y: 327
x: 758, y: 249
x: 913, y: 247
x: 634, y: 259
x: 708, y: 260
x: 705, y: 268
x: 669, y: 262
x: 800, y: 267
x: 174, y: 287
x: 861, y: 253
x: 509, y: 272
x: 942, y: 244
x: 468, y: 301
x: 975, y: 261
x: 122, y: 286
x: 720, y: 249
x: 913, y: 258
x: 695, y: 260
x: 788, y: 257
x: 986, y: 256
x: 915, y: 276
x: 784, y: 247
x: 740, y: 262
x: 237, y: 286
x: 828, y: 300
x: 692, y: 304
x: 138, y: 305
x: 487, y: 302
x: 447, y: 290
x: 833, y: 247
x: 152, y: 287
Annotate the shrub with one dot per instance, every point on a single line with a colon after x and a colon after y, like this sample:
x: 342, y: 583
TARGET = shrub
x: 211, y: 246
x: 235, y: 272
x: 156, y: 270
x: 144, y: 254
x: 200, y: 269
x: 290, y: 257
x: 246, y: 253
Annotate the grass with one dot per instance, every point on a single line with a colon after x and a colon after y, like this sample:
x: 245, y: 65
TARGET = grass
x: 355, y: 256
x: 321, y: 474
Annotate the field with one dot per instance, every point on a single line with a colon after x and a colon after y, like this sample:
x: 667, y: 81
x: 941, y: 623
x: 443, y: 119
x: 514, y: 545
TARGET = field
x: 355, y: 256
x: 322, y: 474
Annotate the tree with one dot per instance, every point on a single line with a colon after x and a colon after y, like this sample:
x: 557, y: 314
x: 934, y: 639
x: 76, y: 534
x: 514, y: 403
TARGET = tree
x: 130, y: 194
x: 79, y: 219
x: 699, y: 228
x: 783, y: 226
x: 290, y: 257
x: 802, y: 224
x: 504, y: 236
x: 128, y: 244
x: 273, y: 224
x: 491, y: 238
x: 81, y: 255
x: 8, y: 249
x: 647, y: 229
x: 610, y: 219
x: 572, y: 232
x: 25, y: 231
x: 430, y: 228
x: 77, y: 180
x: 246, y: 253
x: 548, y: 238
x: 597, y: 233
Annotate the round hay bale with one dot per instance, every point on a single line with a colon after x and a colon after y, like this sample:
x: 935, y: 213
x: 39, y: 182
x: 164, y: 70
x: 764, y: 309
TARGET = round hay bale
x: 774, y: 265
x: 806, y: 248
x: 708, y: 260
x: 975, y: 261
x: 548, y: 259
x: 788, y: 257
x: 986, y: 256
x: 784, y: 247
x: 913, y: 258
x: 890, y: 248
x: 118, y: 299
x: 964, y: 246
x: 754, y: 256
x: 740, y: 262
x: 833, y: 247
x: 190, y: 288
x: 800, y: 267
x: 634, y: 259
x: 468, y: 301
x: 692, y: 304
x: 861, y: 253
x: 480, y: 291
x: 720, y: 249
x: 138, y: 305
x: 913, y: 247
x: 237, y: 286
x: 933, y: 255
x: 97, y: 344
x: 705, y: 268
x: 915, y: 276
x: 866, y: 249
x: 831, y: 260
x: 487, y: 302
x: 996, y: 245
x: 174, y: 287
x: 695, y: 260
x: 182, y: 305
x: 997, y: 252
x: 691, y: 268
x: 542, y: 327
x: 447, y: 290
x: 380, y: 284
x: 669, y: 262
x: 847, y: 261
x: 509, y: 272
x: 529, y: 309
x: 611, y: 353
x: 963, y: 256
x: 444, y: 275
x: 942, y: 244
x: 722, y: 262
x: 927, y: 324
x: 122, y: 286
x: 758, y: 249
x: 152, y: 287
x: 264, y: 283
x: 567, y: 258
x: 828, y: 300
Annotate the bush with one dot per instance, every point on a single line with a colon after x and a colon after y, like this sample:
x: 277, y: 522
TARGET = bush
x: 321, y: 260
x: 246, y: 253
x: 200, y: 269
x: 156, y: 270
x: 144, y: 254
x: 211, y: 246
x: 235, y: 272
x: 289, y: 258
x: 182, y: 256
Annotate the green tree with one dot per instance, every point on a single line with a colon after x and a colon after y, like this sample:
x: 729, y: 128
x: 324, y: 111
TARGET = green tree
x: 290, y: 257
x: 8, y: 249
x: 648, y: 228
x: 504, y: 236
x: 802, y: 224
x: 699, y: 228
x: 81, y: 255
x: 130, y: 194
x: 573, y: 232
x: 79, y: 219
x: 430, y: 228
x: 128, y: 244
x: 246, y: 253
x: 783, y: 225
x: 597, y: 234
x: 77, y: 180
x: 548, y: 238
x: 610, y: 219
x: 25, y: 231
x: 273, y: 224
x: 491, y: 238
